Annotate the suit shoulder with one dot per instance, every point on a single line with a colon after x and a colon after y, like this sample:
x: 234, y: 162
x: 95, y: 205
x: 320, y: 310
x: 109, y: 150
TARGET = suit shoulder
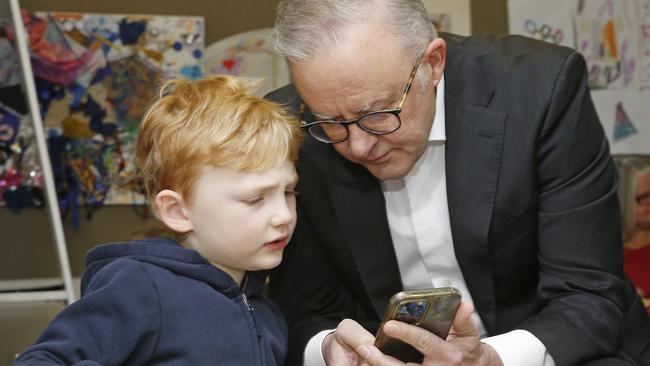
x: 507, y: 48
x: 287, y: 96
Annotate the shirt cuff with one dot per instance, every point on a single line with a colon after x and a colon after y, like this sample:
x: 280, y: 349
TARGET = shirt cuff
x: 520, y: 347
x: 313, y: 355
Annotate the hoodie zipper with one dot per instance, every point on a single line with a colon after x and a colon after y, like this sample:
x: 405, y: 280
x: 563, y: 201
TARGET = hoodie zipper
x: 251, y: 311
x: 248, y: 305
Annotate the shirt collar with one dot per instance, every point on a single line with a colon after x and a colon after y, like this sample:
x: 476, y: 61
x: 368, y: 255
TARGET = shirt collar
x: 438, y: 128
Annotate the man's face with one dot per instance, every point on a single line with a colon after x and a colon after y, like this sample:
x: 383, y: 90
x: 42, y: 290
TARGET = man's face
x: 642, y: 208
x: 241, y: 221
x: 366, y: 73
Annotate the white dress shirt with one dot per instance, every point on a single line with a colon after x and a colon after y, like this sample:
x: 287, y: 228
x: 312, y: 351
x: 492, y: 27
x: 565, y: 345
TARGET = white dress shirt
x: 418, y: 218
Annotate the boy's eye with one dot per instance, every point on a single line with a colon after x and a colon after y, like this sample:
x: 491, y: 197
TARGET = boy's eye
x: 254, y: 200
x: 291, y: 192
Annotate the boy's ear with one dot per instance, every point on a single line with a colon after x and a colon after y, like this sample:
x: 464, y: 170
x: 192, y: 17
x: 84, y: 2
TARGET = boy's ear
x: 170, y: 208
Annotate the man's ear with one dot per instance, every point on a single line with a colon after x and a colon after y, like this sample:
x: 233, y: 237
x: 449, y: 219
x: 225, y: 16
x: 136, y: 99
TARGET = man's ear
x: 436, y: 55
x: 170, y: 208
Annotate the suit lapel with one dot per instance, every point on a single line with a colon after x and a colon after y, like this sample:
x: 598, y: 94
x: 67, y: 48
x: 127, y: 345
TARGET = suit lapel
x: 473, y: 160
x: 363, y: 219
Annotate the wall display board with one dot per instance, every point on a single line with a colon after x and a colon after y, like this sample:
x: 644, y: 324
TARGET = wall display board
x: 95, y: 75
x: 614, y: 38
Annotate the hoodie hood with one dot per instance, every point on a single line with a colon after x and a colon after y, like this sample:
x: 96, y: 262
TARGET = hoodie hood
x: 170, y: 255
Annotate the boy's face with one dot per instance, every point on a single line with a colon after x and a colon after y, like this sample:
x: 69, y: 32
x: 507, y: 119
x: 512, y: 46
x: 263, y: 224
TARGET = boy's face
x: 241, y: 221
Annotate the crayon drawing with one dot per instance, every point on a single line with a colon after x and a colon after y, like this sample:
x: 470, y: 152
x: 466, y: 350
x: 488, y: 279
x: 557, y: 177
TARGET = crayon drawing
x: 606, y: 37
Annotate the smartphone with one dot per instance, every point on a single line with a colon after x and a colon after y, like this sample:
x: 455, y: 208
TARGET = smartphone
x: 433, y: 309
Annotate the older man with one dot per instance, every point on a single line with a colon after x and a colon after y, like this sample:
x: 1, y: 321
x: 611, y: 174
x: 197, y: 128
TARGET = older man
x: 474, y: 162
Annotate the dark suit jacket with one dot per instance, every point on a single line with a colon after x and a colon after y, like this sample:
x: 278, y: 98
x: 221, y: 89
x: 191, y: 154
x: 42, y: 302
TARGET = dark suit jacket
x: 532, y: 200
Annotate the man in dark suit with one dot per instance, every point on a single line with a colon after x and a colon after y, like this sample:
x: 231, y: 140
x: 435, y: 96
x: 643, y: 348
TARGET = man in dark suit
x: 488, y: 172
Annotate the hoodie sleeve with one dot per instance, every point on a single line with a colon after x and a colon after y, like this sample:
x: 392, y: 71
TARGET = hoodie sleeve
x: 115, y: 322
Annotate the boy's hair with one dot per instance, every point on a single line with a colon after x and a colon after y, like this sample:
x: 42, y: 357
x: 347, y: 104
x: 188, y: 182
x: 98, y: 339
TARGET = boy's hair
x: 214, y: 122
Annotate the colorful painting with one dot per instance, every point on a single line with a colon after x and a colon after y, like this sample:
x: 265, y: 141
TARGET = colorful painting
x: 95, y: 75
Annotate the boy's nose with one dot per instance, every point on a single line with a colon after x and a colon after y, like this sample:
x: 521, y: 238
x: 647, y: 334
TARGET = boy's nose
x: 283, y: 215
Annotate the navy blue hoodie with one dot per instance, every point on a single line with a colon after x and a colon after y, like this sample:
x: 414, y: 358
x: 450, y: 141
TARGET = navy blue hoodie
x: 153, y: 302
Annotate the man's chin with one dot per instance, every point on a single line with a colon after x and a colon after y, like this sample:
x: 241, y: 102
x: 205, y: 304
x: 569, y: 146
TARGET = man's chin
x: 387, y: 171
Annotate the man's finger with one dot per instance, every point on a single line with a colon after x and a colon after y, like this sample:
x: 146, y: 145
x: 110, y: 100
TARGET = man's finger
x: 352, y: 334
x: 423, y: 340
x: 463, y: 325
x: 375, y: 357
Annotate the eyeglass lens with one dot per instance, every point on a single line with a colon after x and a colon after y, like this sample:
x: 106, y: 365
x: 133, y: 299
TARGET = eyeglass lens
x: 377, y: 123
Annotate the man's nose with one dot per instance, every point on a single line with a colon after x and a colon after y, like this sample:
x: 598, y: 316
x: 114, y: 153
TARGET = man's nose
x: 361, y: 142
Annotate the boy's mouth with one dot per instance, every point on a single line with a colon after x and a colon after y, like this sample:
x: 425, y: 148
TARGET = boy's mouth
x: 278, y: 243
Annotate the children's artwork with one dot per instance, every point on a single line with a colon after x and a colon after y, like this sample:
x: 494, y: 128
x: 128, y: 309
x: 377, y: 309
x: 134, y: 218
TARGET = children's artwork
x: 613, y: 36
x: 452, y: 16
x: 249, y: 54
x: 634, y: 193
x: 549, y: 20
x: 606, y: 35
x: 644, y: 44
x: 95, y: 74
x: 623, y: 126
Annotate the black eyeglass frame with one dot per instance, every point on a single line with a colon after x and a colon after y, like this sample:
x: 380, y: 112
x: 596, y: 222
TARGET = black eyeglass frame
x: 346, y: 123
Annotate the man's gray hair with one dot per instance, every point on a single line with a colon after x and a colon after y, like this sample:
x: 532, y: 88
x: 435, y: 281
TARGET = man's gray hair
x: 302, y: 27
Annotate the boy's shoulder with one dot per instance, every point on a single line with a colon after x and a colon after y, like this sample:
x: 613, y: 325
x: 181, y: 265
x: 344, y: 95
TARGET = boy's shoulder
x: 119, y: 272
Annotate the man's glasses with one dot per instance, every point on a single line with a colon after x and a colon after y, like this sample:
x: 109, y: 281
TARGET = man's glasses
x: 380, y: 122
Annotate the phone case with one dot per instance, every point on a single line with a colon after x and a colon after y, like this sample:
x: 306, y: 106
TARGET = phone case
x: 433, y: 309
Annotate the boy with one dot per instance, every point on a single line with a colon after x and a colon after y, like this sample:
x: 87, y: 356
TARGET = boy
x: 219, y: 169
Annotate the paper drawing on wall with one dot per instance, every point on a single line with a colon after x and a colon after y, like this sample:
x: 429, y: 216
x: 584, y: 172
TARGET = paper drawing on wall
x: 544, y: 32
x: 606, y: 37
x: 644, y: 44
x: 613, y: 36
x: 249, y: 54
x: 623, y: 126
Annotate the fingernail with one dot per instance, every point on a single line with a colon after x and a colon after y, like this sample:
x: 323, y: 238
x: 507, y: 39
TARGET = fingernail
x: 363, y: 350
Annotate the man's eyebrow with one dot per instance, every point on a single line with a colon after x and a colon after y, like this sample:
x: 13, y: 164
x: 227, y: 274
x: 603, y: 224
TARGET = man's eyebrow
x: 370, y: 107
x: 374, y: 106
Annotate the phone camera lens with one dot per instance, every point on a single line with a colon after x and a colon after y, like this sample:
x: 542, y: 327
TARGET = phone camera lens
x: 411, y: 312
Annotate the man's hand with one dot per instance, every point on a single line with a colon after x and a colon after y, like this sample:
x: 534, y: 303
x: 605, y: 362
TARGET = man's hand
x: 338, y: 347
x: 462, y: 347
